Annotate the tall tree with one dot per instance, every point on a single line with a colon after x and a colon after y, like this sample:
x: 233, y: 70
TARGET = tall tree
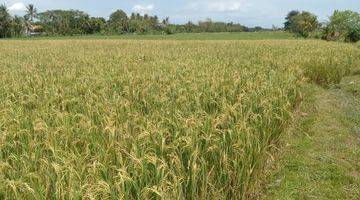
x: 5, y: 22
x: 189, y: 27
x: 166, y: 21
x: 290, y: 19
x: 304, y: 24
x: 27, y: 24
x: 165, y: 24
x: 17, y: 26
x: 206, y: 26
x: 65, y: 22
x: 118, y: 22
x: 97, y: 24
x: 31, y: 12
x: 343, y: 25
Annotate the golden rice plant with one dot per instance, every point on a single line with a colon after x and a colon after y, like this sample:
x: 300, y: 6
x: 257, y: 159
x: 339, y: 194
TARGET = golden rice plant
x: 110, y: 119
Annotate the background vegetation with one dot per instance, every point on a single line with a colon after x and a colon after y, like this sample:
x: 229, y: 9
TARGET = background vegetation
x: 74, y: 22
x: 341, y: 26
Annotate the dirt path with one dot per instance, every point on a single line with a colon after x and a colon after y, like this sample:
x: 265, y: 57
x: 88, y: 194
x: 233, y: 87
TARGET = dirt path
x: 321, y: 156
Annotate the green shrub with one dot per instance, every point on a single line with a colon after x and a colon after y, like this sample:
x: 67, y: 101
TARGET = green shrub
x: 343, y: 26
x: 354, y: 34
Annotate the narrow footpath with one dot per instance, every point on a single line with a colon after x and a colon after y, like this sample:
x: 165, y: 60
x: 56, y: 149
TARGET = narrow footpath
x: 320, y: 157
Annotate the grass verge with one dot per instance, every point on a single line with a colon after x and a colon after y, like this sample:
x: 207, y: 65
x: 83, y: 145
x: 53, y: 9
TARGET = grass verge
x: 321, y: 155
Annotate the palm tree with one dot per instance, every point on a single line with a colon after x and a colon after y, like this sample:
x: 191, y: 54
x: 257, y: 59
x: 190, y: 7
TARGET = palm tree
x: 31, y: 12
x: 27, y: 24
x: 5, y: 22
x: 166, y: 21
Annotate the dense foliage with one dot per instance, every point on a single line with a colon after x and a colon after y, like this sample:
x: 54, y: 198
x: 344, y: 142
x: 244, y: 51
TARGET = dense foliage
x: 75, y: 22
x: 343, y: 25
x: 113, y: 119
x: 65, y: 22
x: 290, y: 19
x: 5, y: 22
x: 210, y: 26
x: 301, y: 23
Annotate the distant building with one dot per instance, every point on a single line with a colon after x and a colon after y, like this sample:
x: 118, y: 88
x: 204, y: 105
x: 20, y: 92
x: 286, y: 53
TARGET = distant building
x: 34, y: 30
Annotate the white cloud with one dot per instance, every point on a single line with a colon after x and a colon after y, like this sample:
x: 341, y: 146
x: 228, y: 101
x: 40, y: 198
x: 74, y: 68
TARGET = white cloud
x: 225, y: 6
x: 19, y: 6
x: 219, y: 5
x: 143, y: 9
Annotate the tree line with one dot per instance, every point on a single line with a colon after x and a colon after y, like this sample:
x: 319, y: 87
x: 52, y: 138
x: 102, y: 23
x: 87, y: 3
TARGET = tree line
x: 342, y: 25
x: 75, y: 22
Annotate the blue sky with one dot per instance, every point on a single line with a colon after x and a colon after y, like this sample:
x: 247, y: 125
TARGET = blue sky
x: 247, y: 12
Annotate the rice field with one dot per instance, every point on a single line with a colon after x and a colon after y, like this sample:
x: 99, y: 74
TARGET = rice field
x: 127, y: 119
x: 264, y: 35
